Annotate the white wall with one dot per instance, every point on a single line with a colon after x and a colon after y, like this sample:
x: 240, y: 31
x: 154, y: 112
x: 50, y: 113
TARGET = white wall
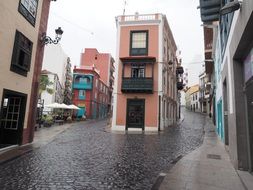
x: 55, y: 60
x: 195, y: 101
x: 48, y: 98
x: 183, y: 102
x: 51, y: 98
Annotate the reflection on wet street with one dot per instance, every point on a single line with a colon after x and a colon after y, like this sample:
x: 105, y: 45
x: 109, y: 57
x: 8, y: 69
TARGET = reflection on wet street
x: 87, y: 157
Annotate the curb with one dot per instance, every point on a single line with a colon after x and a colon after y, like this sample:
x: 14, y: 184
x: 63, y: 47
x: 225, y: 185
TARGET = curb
x: 15, y: 153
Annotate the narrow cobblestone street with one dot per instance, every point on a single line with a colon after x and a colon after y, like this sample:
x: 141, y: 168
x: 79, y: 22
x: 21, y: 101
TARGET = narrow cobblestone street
x: 86, y: 156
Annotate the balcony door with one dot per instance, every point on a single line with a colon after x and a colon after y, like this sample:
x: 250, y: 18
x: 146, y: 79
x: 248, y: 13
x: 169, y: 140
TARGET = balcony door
x: 138, y: 71
x: 135, y: 113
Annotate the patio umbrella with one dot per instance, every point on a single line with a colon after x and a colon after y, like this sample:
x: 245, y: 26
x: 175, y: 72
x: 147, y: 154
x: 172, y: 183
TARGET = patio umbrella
x: 73, y: 107
x: 64, y: 106
x: 53, y: 105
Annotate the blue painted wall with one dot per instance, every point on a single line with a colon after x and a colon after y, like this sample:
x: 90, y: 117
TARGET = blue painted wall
x: 219, y: 121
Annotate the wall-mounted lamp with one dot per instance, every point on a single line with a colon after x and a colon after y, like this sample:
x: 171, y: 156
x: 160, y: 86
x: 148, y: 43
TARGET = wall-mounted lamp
x: 230, y: 7
x: 47, y: 40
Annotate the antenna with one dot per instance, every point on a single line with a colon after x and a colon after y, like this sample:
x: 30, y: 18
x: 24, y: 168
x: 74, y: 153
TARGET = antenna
x: 124, y: 9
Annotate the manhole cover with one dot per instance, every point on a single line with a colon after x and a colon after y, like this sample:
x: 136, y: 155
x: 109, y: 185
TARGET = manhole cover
x: 214, y: 156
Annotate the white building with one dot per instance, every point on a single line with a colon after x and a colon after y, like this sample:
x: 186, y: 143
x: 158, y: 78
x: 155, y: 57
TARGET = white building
x: 57, y: 63
x: 195, y: 101
x: 55, y: 60
x: 57, y: 95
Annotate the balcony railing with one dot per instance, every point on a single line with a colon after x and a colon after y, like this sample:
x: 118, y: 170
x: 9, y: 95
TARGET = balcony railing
x: 137, y: 85
x: 82, y: 85
x: 139, y: 17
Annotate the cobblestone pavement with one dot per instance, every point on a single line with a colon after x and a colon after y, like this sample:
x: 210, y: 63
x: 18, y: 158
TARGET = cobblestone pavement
x: 88, y: 157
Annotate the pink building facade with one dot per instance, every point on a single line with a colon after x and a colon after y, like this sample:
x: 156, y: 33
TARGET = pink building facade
x: 145, y: 93
x: 104, y: 62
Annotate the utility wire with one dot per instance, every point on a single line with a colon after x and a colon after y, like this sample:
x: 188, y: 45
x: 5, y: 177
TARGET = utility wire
x: 77, y: 25
x: 197, y: 62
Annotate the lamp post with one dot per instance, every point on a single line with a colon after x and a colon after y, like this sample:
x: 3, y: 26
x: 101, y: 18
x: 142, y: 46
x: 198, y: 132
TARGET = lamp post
x: 47, y: 40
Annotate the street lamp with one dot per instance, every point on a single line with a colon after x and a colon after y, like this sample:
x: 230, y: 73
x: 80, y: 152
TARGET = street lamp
x: 230, y: 7
x: 47, y: 40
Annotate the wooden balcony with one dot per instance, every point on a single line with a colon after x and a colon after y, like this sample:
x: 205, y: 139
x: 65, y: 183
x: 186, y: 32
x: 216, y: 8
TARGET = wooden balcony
x: 137, y: 85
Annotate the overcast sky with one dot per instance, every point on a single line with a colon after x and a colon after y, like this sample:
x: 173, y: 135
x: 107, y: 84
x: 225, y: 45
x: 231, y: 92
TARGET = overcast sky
x: 91, y: 24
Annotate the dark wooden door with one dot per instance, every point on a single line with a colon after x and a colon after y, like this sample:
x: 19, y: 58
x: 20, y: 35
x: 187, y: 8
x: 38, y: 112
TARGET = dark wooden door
x: 135, y: 113
x: 12, y: 117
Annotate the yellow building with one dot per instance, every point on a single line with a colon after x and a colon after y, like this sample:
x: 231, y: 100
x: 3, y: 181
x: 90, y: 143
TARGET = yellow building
x: 188, y: 96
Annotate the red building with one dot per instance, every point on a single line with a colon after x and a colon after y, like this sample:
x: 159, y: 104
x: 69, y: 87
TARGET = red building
x: 104, y: 62
x: 90, y: 93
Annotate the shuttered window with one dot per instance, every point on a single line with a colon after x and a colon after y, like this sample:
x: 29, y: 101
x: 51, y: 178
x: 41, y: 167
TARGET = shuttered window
x: 21, y: 55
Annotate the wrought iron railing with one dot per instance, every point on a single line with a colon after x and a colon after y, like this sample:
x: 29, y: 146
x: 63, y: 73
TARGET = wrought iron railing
x: 138, y: 85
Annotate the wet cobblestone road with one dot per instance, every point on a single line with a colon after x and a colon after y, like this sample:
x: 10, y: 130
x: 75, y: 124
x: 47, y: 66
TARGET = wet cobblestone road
x: 88, y: 157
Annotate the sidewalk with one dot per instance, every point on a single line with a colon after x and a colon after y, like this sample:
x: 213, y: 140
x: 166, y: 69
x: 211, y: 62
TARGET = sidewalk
x: 207, y: 168
x: 42, y: 137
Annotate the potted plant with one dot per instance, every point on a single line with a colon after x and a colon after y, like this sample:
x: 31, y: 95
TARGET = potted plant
x: 69, y: 119
x: 47, y: 120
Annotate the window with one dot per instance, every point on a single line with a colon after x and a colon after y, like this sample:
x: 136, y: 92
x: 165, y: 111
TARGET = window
x: 84, y: 80
x: 138, y: 72
x: 21, y: 55
x: 82, y: 94
x: 96, y: 83
x: 11, y: 113
x: 28, y: 8
x: 139, y: 43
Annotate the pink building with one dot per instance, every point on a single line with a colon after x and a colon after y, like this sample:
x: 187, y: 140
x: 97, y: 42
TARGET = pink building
x: 104, y: 62
x: 146, y: 80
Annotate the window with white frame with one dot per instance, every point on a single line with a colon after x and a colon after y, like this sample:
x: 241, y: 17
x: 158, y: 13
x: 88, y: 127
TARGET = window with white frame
x: 139, y: 42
